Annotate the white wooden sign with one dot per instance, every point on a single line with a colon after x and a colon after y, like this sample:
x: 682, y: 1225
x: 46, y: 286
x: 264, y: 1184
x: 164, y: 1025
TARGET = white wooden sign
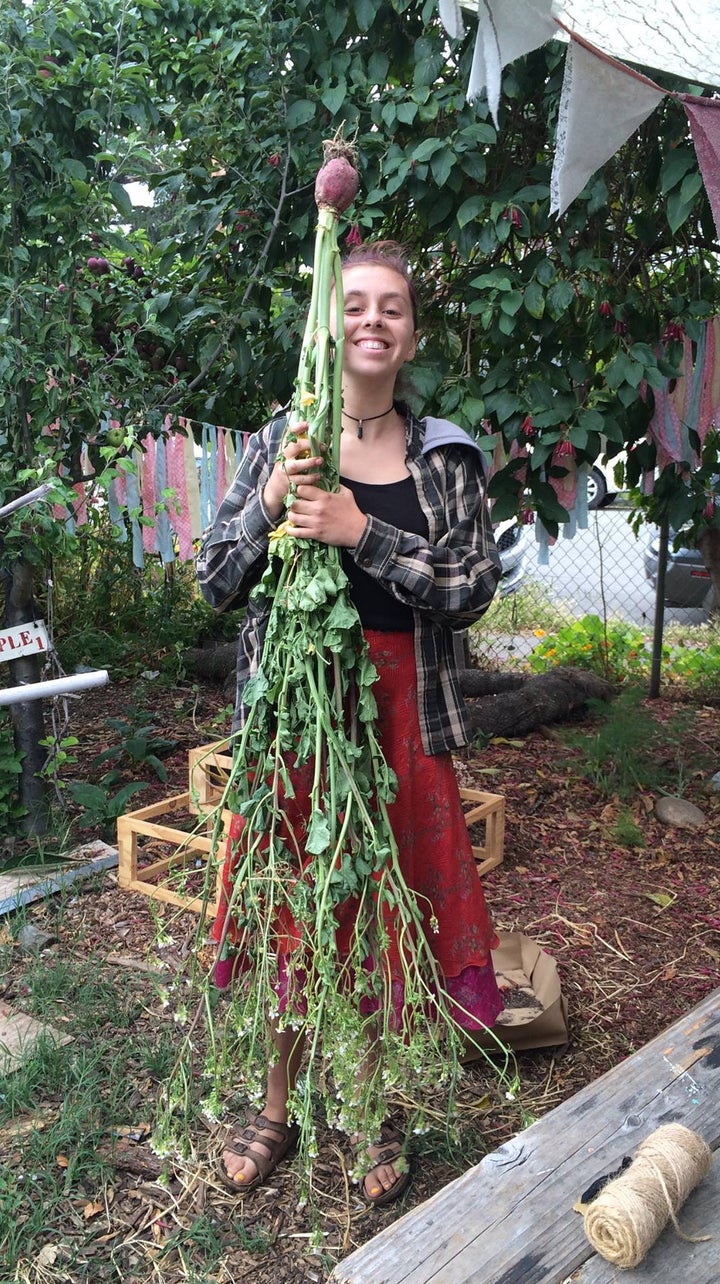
x: 23, y: 639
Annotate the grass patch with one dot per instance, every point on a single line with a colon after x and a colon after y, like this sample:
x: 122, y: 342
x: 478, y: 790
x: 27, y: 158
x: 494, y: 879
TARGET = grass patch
x: 60, y: 1108
x: 529, y: 608
x: 627, y: 751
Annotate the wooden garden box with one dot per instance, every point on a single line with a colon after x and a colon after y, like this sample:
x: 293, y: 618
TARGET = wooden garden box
x: 155, y: 843
x: 157, y: 846
x: 210, y: 765
x: 488, y: 810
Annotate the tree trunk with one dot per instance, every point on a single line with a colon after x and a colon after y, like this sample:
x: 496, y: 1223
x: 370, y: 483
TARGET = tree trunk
x: 213, y: 663
x: 27, y: 717
x: 709, y: 545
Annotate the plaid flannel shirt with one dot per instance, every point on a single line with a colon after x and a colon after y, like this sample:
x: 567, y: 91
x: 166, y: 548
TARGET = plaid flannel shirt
x: 448, y: 579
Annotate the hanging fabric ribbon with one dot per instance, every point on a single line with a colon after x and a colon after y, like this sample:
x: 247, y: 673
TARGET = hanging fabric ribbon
x: 163, y: 534
x: 205, y: 482
x: 581, y: 499
x: 180, y: 506
x: 193, y: 486
x: 221, y: 437
x: 134, y: 509
x: 147, y: 491
x: 116, y: 503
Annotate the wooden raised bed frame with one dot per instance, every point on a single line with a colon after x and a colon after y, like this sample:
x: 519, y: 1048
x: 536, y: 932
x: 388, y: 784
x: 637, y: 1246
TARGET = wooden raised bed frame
x: 145, y: 822
x: 208, y: 768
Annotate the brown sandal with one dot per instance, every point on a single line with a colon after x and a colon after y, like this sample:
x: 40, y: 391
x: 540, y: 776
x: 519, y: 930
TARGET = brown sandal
x: 283, y: 1141
x: 392, y: 1142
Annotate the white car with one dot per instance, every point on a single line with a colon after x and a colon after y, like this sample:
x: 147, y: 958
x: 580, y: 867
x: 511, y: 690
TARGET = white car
x: 603, y: 479
x: 512, y: 541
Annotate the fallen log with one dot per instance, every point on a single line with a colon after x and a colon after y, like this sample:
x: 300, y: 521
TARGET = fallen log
x: 502, y: 704
x: 531, y: 701
x: 213, y: 663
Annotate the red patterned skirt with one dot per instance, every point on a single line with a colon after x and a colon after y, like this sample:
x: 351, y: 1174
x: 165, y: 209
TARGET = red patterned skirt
x: 434, y: 851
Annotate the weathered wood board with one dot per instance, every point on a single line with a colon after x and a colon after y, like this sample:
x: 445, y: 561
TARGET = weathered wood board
x: 510, y: 1220
x: 22, y: 886
x: 19, y: 1035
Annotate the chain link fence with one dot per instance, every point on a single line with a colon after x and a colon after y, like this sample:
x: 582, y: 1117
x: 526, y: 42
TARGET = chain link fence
x: 606, y: 570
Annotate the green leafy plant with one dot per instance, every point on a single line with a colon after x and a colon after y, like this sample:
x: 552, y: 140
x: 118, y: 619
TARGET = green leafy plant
x: 141, y: 744
x: 695, y: 667
x: 616, y: 650
x: 101, y: 808
x: 60, y: 756
x: 626, y: 830
x: 619, y: 754
x: 11, y: 809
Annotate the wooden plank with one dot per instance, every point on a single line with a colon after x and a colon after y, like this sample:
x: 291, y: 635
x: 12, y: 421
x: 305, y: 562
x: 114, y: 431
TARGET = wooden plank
x: 510, y: 1220
x: 186, y: 841
x: 195, y: 904
x: 19, y: 1036
x: 25, y: 885
x: 178, y: 802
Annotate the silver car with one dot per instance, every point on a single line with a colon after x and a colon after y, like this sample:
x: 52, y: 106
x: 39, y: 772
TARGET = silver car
x: 687, y: 580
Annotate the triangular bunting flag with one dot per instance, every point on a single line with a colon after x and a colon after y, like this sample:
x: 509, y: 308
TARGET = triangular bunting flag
x: 506, y: 31
x: 704, y: 117
x: 602, y: 103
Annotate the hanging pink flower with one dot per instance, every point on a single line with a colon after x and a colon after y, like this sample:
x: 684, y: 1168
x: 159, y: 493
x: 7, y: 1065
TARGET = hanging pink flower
x: 562, y: 449
x: 353, y: 236
x: 565, y: 487
x: 673, y: 333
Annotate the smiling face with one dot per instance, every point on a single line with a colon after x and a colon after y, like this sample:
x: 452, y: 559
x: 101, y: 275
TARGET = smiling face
x: 380, y: 331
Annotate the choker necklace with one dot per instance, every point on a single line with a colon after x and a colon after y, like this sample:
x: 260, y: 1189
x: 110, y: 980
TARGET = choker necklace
x: 365, y: 419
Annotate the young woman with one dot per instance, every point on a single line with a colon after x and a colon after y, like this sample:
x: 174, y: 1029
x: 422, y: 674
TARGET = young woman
x: 411, y: 518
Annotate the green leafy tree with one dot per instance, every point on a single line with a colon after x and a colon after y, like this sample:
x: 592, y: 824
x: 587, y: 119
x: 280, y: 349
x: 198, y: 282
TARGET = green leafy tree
x: 538, y: 331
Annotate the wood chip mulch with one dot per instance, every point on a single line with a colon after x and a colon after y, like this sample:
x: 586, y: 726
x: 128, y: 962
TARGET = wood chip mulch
x: 635, y: 932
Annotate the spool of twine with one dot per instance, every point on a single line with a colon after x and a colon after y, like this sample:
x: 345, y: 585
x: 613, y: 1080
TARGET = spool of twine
x: 628, y: 1215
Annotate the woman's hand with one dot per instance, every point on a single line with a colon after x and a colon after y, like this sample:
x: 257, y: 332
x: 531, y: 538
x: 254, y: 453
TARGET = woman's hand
x: 331, y: 517
x: 296, y: 464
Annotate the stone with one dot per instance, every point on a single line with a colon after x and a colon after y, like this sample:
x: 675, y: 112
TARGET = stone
x: 679, y: 813
x: 32, y: 938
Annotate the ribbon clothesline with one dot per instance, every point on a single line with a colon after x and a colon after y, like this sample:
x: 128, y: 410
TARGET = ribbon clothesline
x: 171, y: 493
x: 176, y: 485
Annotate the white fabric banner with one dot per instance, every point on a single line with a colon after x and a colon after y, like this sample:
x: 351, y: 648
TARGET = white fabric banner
x: 507, y: 29
x: 683, y: 39
x: 600, y: 107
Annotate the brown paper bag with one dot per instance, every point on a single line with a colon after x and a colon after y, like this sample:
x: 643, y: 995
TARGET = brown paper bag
x: 535, y: 1014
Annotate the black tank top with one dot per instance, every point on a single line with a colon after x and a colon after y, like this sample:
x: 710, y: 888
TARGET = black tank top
x: 396, y: 503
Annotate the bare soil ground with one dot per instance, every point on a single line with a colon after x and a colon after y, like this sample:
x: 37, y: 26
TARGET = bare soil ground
x: 635, y: 932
